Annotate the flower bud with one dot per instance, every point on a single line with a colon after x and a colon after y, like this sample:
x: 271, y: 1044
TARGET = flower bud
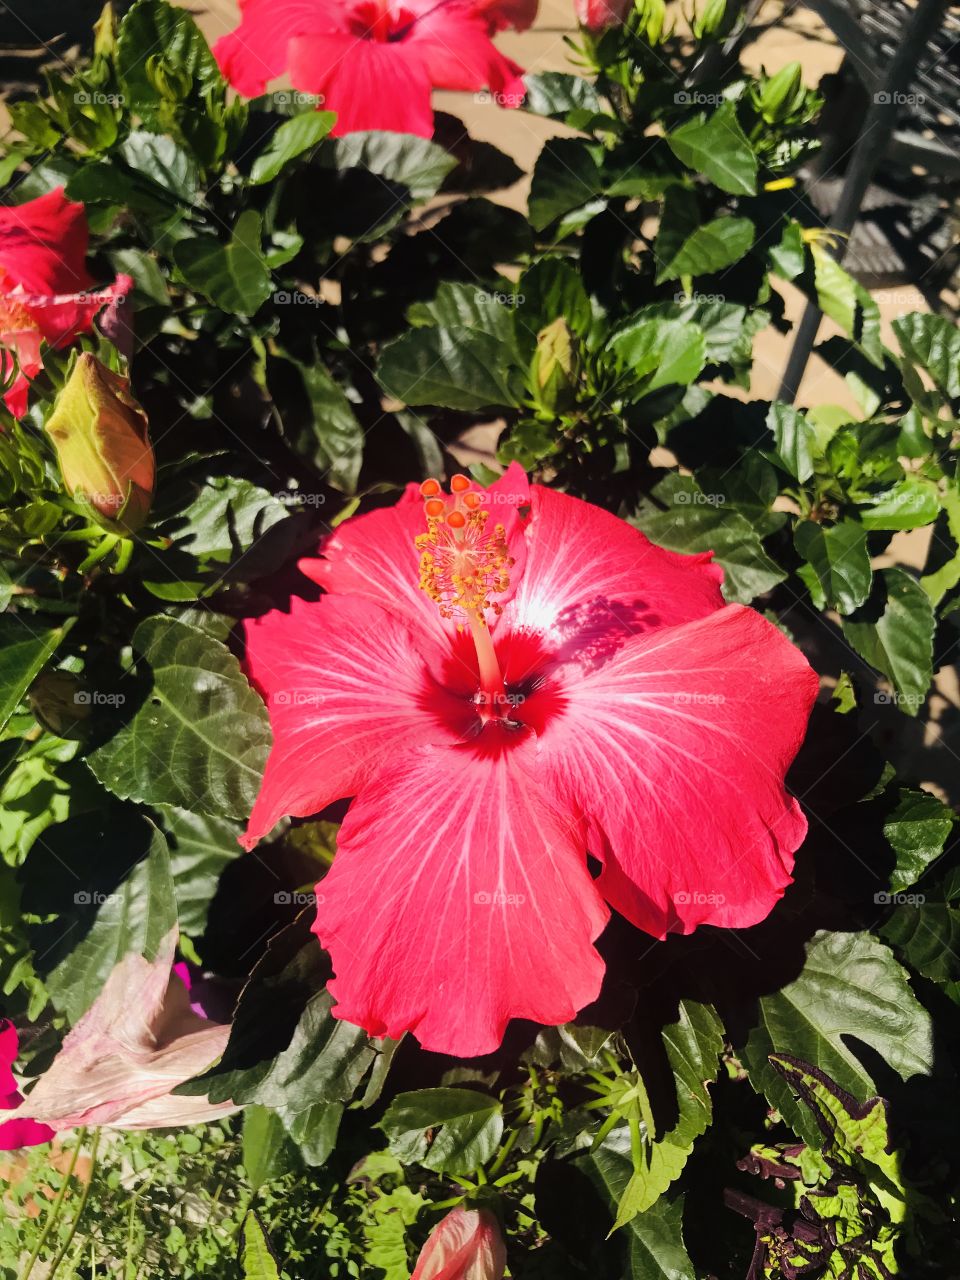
x: 782, y: 94
x: 100, y: 435
x: 554, y: 367
x: 465, y: 1245
x: 597, y: 15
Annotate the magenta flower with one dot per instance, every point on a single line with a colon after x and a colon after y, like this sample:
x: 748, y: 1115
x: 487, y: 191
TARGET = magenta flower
x: 558, y: 685
x: 18, y: 1132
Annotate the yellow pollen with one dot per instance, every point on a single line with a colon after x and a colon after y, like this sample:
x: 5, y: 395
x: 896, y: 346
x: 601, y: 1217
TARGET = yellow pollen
x: 464, y: 562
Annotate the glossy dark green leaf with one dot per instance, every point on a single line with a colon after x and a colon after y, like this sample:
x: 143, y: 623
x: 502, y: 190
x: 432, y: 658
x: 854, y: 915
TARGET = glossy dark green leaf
x: 286, y: 1050
x: 933, y: 343
x: 233, y: 275
x: 850, y: 988
x: 686, y: 519
x: 163, y: 162
x: 153, y: 28
x: 670, y: 352
x: 909, y: 504
x: 794, y: 438
x: 198, y: 735
x: 402, y: 158
x: 566, y: 176
x: 917, y: 831
x: 711, y: 247
x: 25, y: 649
x: 716, y: 146
x: 293, y: 137
x: 453, y: 368
x: 468, y: 1128
x: 839, y: 560
x: 201, y: 848
x: 894, y: 632
x: 557, y: 93
x: 314, y: 1131
x: 136, y: 916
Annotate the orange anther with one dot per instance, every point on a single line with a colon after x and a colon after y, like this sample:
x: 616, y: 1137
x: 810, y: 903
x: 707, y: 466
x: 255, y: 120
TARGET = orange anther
x: 430, y: 488
x: 459, y: 484
x: 434, y: 507
x: 456, y: 519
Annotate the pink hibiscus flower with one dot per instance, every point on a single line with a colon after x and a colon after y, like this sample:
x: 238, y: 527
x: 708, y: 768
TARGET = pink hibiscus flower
x: 18, y: 1133
x: 45, y: 291
x: 375, y: 62
x: 465, y: 1245
x: 599, y: 695
x: 597, y: 15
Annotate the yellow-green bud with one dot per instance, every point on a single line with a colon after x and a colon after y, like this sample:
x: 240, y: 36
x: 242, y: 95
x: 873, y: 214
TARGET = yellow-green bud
x: 782, y: 94
x: 100, y: 435
x: 105, y: 32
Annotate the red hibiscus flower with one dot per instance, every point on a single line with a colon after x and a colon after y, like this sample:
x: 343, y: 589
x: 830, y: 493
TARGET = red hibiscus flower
x: 597, y: 15
x: 17, y: 1133
x: 375, y: 62
x: 45, y: 291
x: 465, y: 1245
x: 600, y: 695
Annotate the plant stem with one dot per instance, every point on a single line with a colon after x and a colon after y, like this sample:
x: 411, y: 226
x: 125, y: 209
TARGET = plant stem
x: 84, y: 1197
x: 54, y: 1214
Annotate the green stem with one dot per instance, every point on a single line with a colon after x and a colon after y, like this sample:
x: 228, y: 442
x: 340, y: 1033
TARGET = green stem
x: 503, y: 1154
x: 107, y: 544
x: 84, y: 1197
x: 54, y: 1214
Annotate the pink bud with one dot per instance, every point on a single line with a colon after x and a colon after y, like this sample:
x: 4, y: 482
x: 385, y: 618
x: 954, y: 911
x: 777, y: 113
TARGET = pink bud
x: 596, y: 15
x: 466, y: 1245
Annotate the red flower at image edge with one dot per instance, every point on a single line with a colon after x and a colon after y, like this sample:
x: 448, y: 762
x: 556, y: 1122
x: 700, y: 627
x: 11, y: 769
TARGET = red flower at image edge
x: 45, y: 290
x: 20, y: 1132
x: 610, y: 700
x: 375, y: 62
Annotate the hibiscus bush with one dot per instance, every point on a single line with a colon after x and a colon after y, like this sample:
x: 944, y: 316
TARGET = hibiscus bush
x: 544, y: 867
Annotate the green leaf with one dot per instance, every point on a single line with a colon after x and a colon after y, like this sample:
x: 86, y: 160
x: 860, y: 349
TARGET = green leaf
x: 839, y: 558
x: 795, y: 440
x: 268, y: 1154
x: 469, y: 1126
x: 201, y: 847
x: 656, y: 1247
x: 566, y: 176
x: 916, y: 831
x: 453, y: 368
x: 909, y: 504
x: 136, y: 917
x: 848, y: 304
x: 199, y: 735
x: 557, y: 93
x: 932, y: 342
x: 788, y: 257
x: 673, y: 351
x: 295, y: 136
x: 328, y: 433
x: 693, y: 1046
x: 257, y: 1259
x: 850, y: 988
x: 464, y: 306
x: 163, y: 162
x: 25, y: 649
x: 548, y: 290
x: 314, y: 1131
x: 153, y: 27
x: 233, y: 276
x: 926, y: 935
x: 286, y: 1050
x: 711, y: 247
x: 717, y: 147
x: 694, y: 521
x: 894, y: 632
x: 402, y: 158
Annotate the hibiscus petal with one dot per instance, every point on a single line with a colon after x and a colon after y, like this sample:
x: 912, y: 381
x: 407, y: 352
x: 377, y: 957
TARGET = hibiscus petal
x: 347, y: 686
x: 119, y: 1064
x: 455, y: 46
x: 459, y: 899
x: 676, y: 747
x: 256, y: 51
x: 369, y: 84
x: 43, y: 245
x: 587, y: 571
x: 465, y: 1245
x: 375, y: 555
x: 15, y: 1134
